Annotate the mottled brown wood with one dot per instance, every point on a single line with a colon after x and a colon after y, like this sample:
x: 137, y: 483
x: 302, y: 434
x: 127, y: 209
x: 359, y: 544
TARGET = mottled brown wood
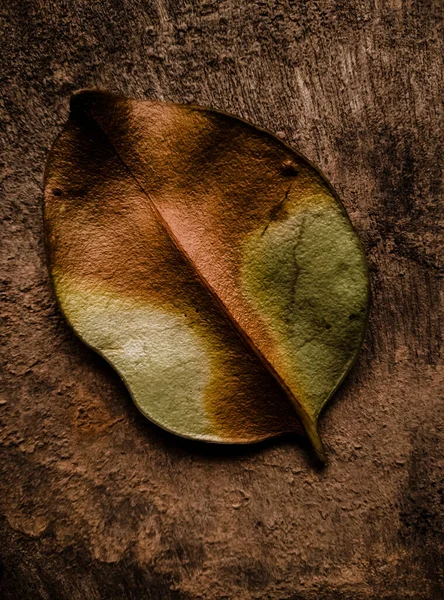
x: 95, y: 502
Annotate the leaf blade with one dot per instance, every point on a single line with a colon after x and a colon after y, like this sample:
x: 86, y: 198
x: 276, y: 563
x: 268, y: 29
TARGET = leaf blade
x: 201, y: 202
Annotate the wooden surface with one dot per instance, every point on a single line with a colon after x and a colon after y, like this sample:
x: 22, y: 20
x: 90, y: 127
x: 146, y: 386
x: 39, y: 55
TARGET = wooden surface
x: 95, y: 502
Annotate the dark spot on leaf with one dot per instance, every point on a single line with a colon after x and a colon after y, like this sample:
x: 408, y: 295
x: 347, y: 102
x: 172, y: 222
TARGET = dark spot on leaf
x: 289, y: 168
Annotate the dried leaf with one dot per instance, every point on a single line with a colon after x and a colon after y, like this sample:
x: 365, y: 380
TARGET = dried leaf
x: 209, y: 263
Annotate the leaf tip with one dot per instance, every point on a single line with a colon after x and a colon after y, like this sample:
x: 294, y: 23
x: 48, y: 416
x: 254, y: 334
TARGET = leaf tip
x: 311, y: 428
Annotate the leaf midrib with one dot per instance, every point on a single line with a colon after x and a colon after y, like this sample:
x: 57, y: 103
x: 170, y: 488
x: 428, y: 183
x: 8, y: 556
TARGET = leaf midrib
x: 308, y: 423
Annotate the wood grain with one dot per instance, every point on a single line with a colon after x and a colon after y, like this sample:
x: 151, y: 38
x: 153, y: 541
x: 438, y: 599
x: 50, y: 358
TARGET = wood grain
x: 97, y: 503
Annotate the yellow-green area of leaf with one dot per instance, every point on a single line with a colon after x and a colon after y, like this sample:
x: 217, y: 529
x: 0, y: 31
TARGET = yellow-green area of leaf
x: 209, y: 263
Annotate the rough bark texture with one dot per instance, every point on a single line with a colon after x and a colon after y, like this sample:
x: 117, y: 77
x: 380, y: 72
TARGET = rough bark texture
x: 96, y: 502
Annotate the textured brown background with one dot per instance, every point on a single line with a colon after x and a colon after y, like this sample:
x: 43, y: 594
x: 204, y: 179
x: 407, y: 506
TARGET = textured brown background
x: 96, y: 503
